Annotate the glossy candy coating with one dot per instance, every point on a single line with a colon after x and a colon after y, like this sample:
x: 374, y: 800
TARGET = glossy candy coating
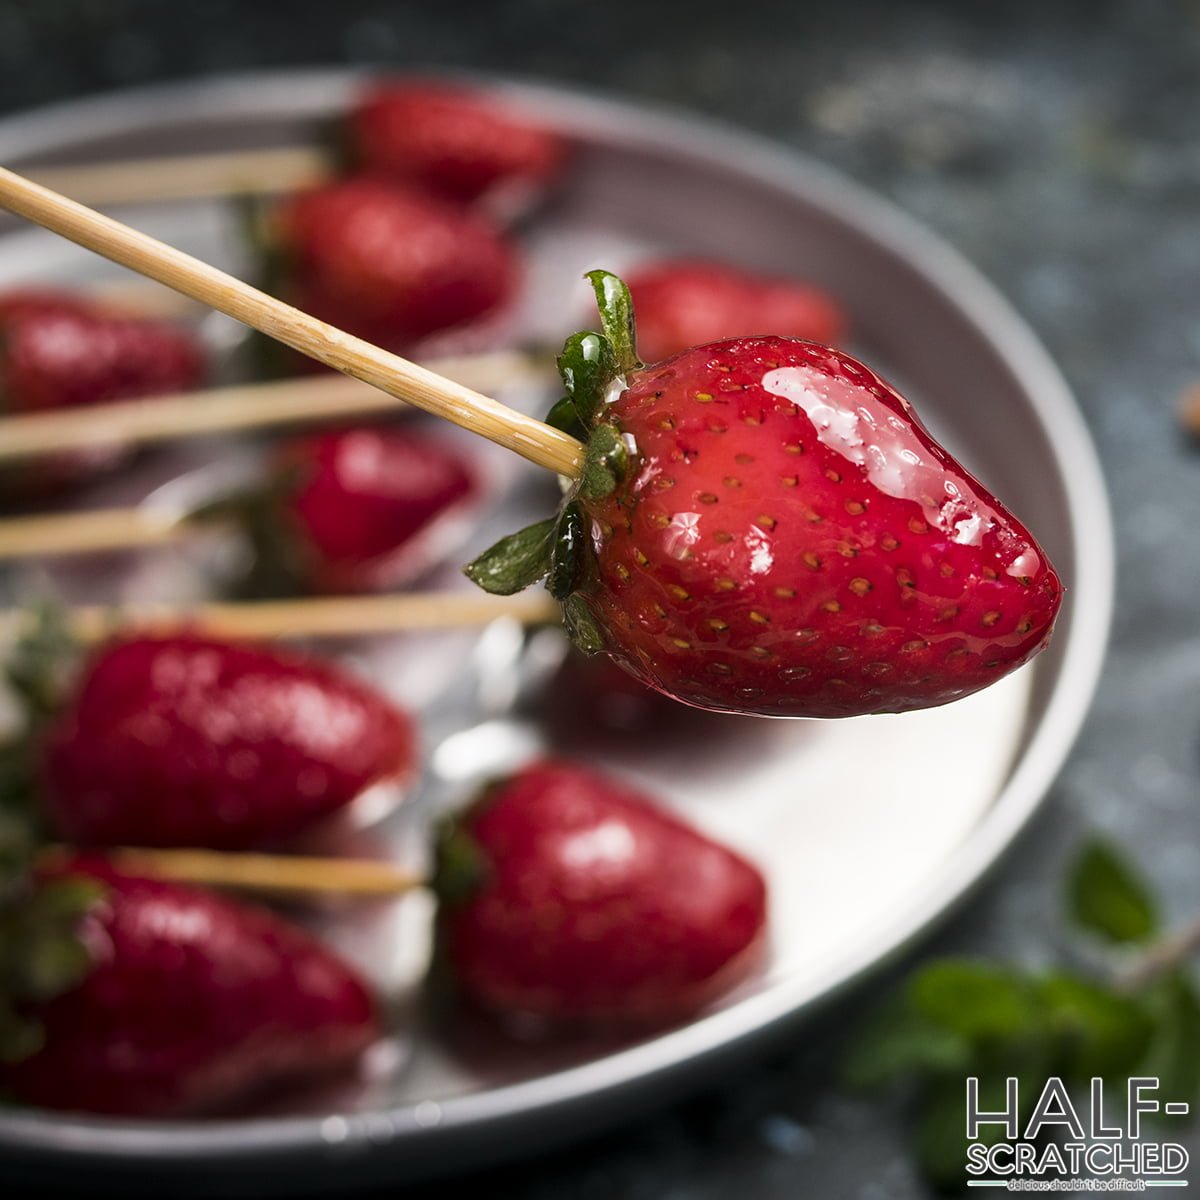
x: 689, y: 302
x: 358, y: 501
x: 188, y: 741
x: 790, y: 541
x: 598, y: 907
x: 194, y: 1002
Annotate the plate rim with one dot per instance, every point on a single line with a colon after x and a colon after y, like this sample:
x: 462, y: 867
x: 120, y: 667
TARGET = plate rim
x: 696, y: 1045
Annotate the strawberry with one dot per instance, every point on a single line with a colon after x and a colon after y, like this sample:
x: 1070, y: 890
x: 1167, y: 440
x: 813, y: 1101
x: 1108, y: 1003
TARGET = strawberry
x: 764, y: 525
x: 589, y: 905
x: 59, y: 352
x: 453, y: 141
x: 686, y: 302
x: 356, y: 510
x: 166, y: 1000
x: 387, y: 262
x: 189, y: 741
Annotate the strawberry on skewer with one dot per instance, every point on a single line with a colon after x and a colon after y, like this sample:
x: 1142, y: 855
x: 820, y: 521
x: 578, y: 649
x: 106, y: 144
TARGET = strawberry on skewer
x: 349, y: 511
x: 682, y: 303
x: 387, y: 261
x: 129, y: 996
x: 451, y: 140
x: 59, y: 352
x: 763, y: 525
x: 588, y: 905
x: 190, y: 741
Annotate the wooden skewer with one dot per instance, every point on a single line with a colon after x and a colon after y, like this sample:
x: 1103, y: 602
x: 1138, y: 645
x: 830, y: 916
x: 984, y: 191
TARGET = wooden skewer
x: 90, y: 531
x: 258, y: 872
x: 230, y: 409
x: 189, y: 176
x: 534, y: 440
x: 335, y: 616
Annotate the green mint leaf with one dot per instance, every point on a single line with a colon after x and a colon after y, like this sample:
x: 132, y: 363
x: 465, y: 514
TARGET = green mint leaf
x: 1173, y: 1054
x: 566, y: 554
x: 900, y: 1043
x: 1106, y: 896
x: 588, y: 366
x: 1096, y: 1030
x: 975, y: 1000
x: 616, y: 318
x: 514, y: 562
x: 42, y: 662
x: 941, y: 1134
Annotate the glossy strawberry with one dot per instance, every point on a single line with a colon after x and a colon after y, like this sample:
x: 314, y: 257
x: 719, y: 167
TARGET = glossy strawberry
x: 189, y: 741
x: 763, y: 525
x: 592, y: 906
x: 388, y: 262
x: 682, y: 303
x: 59, y: 352
x: 357, y: 508
x: 454, y: 141
x: 187, y: 1003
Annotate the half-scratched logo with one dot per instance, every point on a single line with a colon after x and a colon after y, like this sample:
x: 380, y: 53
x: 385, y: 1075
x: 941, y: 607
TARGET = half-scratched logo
x: 1108, y: 1147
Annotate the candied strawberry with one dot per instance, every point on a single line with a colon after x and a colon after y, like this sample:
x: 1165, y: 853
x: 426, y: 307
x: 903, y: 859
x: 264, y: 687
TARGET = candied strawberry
x: 682, y: 303
x: 389, y: 263
x: 454, y: 141
x: 60, y: 352
x: 188, y: 1003
x: 763, y: 525
x: 356, y: 507
x: 590, y: 905
x: 189, y: 741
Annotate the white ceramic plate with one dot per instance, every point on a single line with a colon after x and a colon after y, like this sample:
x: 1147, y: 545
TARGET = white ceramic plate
x: 868, y: 830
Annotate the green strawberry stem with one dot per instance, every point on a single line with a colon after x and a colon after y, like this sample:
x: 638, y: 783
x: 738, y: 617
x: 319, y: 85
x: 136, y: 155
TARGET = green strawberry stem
x: 593, y: 367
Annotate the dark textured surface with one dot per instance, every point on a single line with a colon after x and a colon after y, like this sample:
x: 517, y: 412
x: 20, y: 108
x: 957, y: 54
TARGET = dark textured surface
x: 1057, y: 147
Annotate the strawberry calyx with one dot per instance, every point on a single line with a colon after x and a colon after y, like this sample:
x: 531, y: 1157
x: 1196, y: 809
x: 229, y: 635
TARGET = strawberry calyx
x: 41, y: 952
x: 594, y: 367
x: 460, y: 866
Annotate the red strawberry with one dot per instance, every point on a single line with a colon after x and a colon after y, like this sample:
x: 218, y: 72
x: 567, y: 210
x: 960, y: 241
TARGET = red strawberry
x: 59, y: 352
x: 357, y: 507
x: 451, y: 140
x: 763, y: 525
x: 389, y: 263
x: 685, y: 302
x: 191, y: 1003
x: 188, y: 741
x: 593, y: 906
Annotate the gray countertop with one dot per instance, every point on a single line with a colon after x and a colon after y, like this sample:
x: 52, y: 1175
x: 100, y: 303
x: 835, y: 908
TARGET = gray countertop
x: 1058, y: 147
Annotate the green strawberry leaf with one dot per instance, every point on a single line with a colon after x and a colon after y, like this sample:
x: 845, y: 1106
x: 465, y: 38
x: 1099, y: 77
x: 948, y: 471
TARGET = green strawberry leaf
x: 42, y: 662
x: 581, y: 628
x: 565, y: 416
x: 515, y: 562
x: 616, y: 318
x: 588, y: 366
x: 1106, y: 897
x: 566, y: 553
x: 460, y: 866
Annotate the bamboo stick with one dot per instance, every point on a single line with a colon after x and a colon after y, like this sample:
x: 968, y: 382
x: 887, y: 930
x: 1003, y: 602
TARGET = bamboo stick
x: 189, y: 176
x: 235, y: 409
x: 257, y: 872
x: 88, y: 532
x: 534, y: 440
x: 335, y: 616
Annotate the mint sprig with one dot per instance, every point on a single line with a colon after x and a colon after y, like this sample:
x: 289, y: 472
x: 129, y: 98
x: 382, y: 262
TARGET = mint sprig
x: 957, y: 1017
